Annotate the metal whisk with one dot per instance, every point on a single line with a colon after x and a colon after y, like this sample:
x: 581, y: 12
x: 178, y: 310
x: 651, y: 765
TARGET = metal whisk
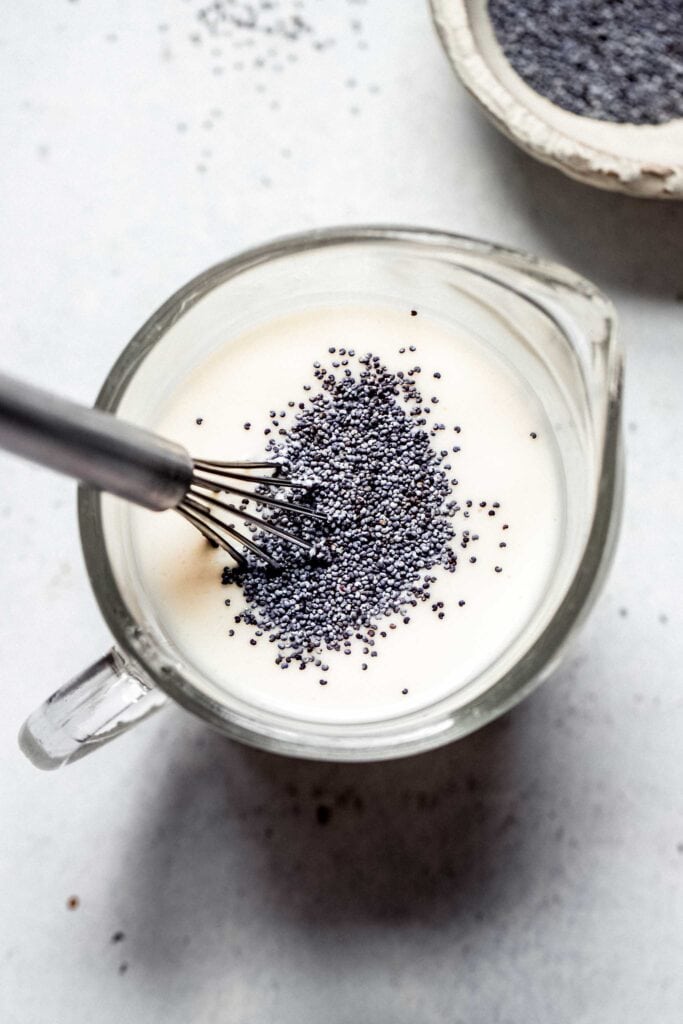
x: 114, y: 456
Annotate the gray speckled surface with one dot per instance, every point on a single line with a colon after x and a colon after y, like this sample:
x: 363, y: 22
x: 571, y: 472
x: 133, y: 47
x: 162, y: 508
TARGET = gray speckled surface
x: 531, y: 873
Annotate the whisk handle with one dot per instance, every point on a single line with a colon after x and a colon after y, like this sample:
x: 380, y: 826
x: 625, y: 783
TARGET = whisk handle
x: 94, y: 446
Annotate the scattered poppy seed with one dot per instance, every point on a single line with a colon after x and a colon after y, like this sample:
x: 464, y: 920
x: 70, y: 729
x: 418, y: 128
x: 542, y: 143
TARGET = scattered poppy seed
x: 323, y: 813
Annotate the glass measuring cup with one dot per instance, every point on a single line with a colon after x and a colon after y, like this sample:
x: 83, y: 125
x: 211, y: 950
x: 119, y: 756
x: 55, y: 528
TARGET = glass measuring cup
x: 553, y: 325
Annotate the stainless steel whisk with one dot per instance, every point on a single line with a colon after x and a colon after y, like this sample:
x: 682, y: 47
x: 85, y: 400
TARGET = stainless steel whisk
x: 112, y: 455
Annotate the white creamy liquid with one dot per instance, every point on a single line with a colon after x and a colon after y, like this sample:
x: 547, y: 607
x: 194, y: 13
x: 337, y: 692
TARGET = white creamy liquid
x: 499, y: 461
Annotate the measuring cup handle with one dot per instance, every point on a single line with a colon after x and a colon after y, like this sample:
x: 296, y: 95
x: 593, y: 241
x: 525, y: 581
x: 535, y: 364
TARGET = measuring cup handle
x: 92, y: 709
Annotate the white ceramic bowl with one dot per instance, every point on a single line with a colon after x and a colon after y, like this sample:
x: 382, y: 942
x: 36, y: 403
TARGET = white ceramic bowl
x: 641, y: 160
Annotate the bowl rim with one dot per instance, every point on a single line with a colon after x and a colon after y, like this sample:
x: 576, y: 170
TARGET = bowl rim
x: 589, y: 164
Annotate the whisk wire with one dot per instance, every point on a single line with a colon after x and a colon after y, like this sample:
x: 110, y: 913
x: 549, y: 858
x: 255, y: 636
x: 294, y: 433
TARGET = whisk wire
x: 212, y: 535
x: 262, y: 499
x: 200, y: 504
x: 212, y: 523
x: 264, y: 524
x: 223, y: 469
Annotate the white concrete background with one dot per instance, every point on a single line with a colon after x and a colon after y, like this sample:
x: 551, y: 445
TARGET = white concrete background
x: 531, y: 873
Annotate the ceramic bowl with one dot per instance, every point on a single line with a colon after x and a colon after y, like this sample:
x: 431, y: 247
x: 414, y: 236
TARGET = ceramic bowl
x: 641, y: 160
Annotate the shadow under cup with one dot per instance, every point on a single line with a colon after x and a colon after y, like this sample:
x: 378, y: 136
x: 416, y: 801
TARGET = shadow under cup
x: 555, y: 328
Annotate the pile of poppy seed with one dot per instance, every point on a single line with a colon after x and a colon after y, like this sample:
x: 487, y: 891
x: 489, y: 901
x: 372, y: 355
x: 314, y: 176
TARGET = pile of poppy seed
x: 381, y: 466
x: 614, y: 60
